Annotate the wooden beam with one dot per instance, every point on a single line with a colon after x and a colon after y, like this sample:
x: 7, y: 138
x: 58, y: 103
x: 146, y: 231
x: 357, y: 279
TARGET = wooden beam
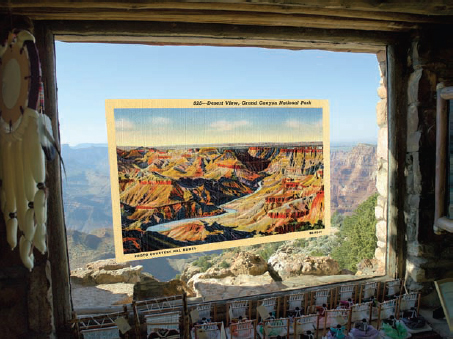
x: 220, y: 17
x: 174, y: 41
x: 397, y: 125
x: 223, y: 35
x: 417, y: 7
x: 31, y: 5
x: 56, y: 230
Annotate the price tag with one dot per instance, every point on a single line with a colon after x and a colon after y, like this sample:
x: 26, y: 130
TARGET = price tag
x: 194, y: 315
x: 122, y: 324
x: 201, y: 334
x: 222, y: 332
x: 231, y: 313
x: 263, y: 312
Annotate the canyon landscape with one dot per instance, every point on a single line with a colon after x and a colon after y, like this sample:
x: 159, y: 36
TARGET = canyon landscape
x: 87, y: 194
x: 178, y: 197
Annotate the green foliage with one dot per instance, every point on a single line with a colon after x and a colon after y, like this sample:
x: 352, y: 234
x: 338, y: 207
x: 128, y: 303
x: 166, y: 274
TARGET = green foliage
x: 203, y: 262
x: 301, y: 243
x: 224, y: 264
x: 269, y: 249
x: 317, y: 253
x: 357, y: 236
x: 177, y: 277
x: 337, y: 220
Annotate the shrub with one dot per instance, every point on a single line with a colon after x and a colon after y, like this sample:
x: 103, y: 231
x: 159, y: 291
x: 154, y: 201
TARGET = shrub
x: 269, y: 249
x: 317, y: 253
x: 203, y: 262
x: 357, y: 236
x: 224, y: 264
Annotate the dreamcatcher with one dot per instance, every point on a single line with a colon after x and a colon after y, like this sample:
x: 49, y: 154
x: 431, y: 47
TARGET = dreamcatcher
x: 25, y: 143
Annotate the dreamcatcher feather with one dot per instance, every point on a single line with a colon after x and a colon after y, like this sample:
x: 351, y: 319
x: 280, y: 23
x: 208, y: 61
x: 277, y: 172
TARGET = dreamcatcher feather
x: 24, y: 133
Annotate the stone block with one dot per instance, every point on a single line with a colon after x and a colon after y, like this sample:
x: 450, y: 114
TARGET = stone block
x: 379, y: 254
x: 381, y: 230
x: 412, y: 119
x: 415, y: 272
x: 415, y: 249
x: 381, y: 244
x: 381, y: 113
x: 381, y: 201
x: 412, y: 225
x: 414, y: 200
x: 412, y: 91
x: 422, y: 87
x: 379, y: 212
x: 413, y: 142
x: 382, y: 146
x: 411, y: 285
x: 382, y: 183
x: 382, y: 92
x: 416, y: 172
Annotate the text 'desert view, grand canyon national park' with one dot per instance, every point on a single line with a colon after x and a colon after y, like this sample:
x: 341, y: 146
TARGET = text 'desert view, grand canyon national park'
x: 197, y: 175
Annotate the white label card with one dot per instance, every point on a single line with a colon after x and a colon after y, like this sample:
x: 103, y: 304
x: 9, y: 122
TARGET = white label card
x: 264, y: 314
x: 122, y: 324
x: 194, y: 315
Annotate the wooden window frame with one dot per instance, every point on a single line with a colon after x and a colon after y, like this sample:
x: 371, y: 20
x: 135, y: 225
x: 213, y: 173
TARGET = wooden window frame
x: 441, y: 220
x: 70, y: 31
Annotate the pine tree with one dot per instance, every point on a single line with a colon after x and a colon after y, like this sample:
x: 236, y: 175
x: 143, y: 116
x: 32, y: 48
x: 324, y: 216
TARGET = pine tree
x: 357, y: 236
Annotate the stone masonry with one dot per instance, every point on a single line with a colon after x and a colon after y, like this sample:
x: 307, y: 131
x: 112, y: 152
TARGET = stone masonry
x: 382, y: 162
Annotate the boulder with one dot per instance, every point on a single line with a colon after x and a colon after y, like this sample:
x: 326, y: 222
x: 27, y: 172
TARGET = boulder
x: 248, y: 264
x: 242, y: 285
x: 370, y: 267
x: 150, y: 287
x: 106, y: 272
x: 129, y: 275
x: 82, y: 276
x: 295, y: 264
x: 189, y: 271
x: 106, y: 264
x: 216, y: 273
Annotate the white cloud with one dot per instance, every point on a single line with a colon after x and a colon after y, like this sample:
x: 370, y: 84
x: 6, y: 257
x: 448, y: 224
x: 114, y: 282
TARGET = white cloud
x: 224, y: 125
x: 124, y: 125
x: 160, y: 120
x: 293, y: 123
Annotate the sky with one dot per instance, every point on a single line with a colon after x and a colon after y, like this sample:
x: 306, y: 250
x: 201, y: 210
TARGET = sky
x: 88, y: 74
x: 220, y: 125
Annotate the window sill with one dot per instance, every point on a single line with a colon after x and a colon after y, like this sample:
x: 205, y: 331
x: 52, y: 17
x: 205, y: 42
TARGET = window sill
x: 443, y: 224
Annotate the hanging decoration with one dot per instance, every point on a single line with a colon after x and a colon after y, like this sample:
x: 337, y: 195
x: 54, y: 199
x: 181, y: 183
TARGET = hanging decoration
x: 25, y: 143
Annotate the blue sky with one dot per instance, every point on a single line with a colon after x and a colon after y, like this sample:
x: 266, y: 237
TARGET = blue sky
x: 87, y: 74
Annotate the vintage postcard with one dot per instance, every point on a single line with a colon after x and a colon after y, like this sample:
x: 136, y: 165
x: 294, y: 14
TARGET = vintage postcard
x: 198, y: 175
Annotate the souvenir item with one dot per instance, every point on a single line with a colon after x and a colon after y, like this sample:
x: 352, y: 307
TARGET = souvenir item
x: 25, y: 143
x: 199, y: 175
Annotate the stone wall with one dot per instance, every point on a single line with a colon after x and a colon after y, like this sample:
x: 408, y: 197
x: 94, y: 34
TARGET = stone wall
x: 382, y: 163
x: 429, y: 256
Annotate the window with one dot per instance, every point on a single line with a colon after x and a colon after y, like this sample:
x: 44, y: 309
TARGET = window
x: 354, y: 145
x: 444, y: 160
